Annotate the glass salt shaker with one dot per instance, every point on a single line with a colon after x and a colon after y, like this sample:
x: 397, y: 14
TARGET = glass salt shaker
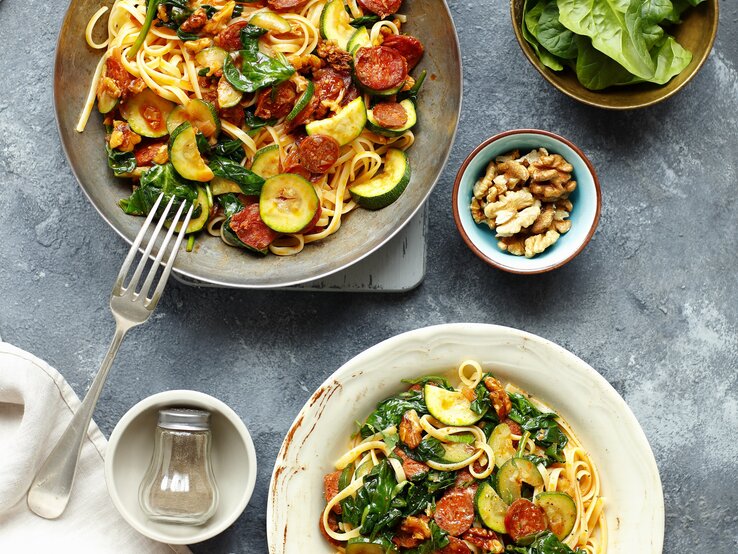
x: 179, y: 486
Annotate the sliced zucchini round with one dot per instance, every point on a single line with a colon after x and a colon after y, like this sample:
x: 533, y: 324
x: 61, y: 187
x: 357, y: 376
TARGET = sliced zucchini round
x: 213, y: 58
x: 185, y: 156
x: 561, y: 512
x: 466, y: 438
x: 266, y: 161
x: 146, y: 113
x: 221, y: 185
x: 455, y: 452
x: 106, y: 102
x: 271, y: 22
x: 345, y: 126
x: 449, y: 406
x: 334, y: 23
x: 412, y: 119
x: 501, y: 442
x: 513, y: 474
x: 302, y: 102
x: 384, y: 189
x: 358, y: 39
x: 366, y: 545
x: 227, y: 95
x: 197, y: 223
x: 491, y: 509
x: 200, y: 113
x: 288, y: 203
x: 364, y: 469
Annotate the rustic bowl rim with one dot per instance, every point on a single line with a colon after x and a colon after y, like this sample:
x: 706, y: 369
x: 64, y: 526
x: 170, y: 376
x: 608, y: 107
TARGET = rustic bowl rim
x: 545, y: 73
x: 470, y: 243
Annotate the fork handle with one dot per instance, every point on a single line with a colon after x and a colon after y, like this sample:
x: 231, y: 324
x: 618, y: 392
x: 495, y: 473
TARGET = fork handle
x: 52, y: 486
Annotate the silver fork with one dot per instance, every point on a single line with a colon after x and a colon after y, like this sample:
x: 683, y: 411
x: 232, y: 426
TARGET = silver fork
x: 52, y: 486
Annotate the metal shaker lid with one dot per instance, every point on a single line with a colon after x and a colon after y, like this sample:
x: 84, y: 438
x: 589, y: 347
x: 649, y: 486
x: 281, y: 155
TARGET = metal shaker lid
x: 184, y: 419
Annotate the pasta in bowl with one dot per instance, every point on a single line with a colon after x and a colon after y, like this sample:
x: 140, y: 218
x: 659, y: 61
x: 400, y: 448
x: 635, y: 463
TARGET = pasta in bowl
x: 473, y: 460
x: 277, y: 119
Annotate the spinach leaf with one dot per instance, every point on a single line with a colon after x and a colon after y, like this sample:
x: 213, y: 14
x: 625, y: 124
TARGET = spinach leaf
x: 412, y: 93
x: 438, y: 540
x: 596, y: 71
x: 257, y: 69
x: 432, y: 379
x: 553, y: 36
x: 529, y: 28
x: 389, y: 412
x: 545, y: 543
x: 231, y: 149
x: 230, y: 204
x: 430, y: 448
x: 372, y: 507
x: 482, y: 404
x: 542, y: 426
x: 120, y: 162
x: 158, y: 179
x: 364, y: 21
x: 419, y: 494
x: 249, y: 182
x: 256, y: 122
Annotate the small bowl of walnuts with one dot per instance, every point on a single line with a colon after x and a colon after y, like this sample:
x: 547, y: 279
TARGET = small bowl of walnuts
x: 526, y: 201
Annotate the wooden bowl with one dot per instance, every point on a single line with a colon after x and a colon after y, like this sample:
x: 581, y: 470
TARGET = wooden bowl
x: 696, y: 33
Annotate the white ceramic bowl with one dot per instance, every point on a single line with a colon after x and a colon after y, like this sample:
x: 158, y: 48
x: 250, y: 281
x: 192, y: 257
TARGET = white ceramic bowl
x: 586, y: 198
x: 132, y: 444
x: 598, y: 415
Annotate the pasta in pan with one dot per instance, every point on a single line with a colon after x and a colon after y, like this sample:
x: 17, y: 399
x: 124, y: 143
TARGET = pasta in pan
x: 478, y: 468
x: 275, y: 117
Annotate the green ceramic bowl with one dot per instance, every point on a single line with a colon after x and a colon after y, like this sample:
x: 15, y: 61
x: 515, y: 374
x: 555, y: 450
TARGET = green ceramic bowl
x: 696, y: 33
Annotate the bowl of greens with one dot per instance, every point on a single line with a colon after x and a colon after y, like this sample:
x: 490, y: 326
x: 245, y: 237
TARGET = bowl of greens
x: 616, y: 55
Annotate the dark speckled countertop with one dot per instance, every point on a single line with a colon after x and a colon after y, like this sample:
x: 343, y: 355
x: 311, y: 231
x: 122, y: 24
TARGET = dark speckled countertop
x: 651, y: 303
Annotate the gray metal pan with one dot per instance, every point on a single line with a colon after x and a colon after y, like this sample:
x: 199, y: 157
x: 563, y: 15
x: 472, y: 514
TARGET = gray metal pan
x: 362, y: 232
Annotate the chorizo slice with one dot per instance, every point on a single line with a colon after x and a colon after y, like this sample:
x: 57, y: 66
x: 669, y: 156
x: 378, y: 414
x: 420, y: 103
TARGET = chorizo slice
x: 411, y: 468
x: 390, y: 115
x: 380, y: 67
x: 333, y: 524
x: 410, y: 48
x: 330, y: 488
x: 276, y: 102
x: 455, y: 512
x: 318, y: 153
x: 286, y: 4
x: 523, y: 519
x: 230, y: 37
x: 251, y: 230
x: 382, y: 8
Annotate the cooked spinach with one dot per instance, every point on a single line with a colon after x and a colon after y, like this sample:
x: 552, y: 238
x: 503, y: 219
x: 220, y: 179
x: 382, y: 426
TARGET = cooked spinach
x: 231, y: 149
x: 249, y: 182
x: 120, y: 162
x: 364, y: 21
x: 482, y: 403
x: 544, y: 543
x: 438, y: 540
x: 429, y: 449
x: 420, y: 493
x: 203, y: 146
x: 608, y: 43
x: 183, y: 12
x: 257, y: 69
x: 374, y: 507
x: 542, y: 426
x: 230, y: 204
x: 159, y: 179
x: 412, y: 93
x: 256, y: 122
x: 389, y: 412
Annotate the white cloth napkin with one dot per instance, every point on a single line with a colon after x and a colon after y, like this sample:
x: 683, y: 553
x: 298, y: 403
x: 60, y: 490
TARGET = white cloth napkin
x: 36, y: 404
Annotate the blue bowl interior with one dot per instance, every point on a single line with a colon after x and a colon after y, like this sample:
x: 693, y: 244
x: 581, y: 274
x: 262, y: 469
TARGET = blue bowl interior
x: 584, y: 199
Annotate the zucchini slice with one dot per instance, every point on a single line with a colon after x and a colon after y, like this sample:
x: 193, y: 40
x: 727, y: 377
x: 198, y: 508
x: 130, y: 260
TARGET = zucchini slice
x: 288, y: 203
x: 449, y: 406
x: 302, y: 102
x: 146, y: 113
x: 271, y: 22
x: 358, y: 39
x: 412, y: 119
x: 345, y: 126
x: 227, y: 95
x: 266, y: 161
x: 455, y: 452
x: 201, y: 114
x: 365, y: 545
x: 513, y: 474
x: 501, y: 442
x: 466, y: 438
x: 561, y: 512
x: 185, y: 156
x: 334, y: 23
x: 381, y: 191
x: 213, y: 58
x: 221, y: 185
x: 491, y: 509
x: 197, y: 223
x: 106, y: 102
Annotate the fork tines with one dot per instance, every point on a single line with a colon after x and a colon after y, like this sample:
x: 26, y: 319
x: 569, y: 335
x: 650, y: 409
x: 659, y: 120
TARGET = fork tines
x: 132, y: 288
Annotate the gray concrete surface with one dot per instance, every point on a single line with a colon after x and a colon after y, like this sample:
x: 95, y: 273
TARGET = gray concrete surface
x: 651, y: 303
